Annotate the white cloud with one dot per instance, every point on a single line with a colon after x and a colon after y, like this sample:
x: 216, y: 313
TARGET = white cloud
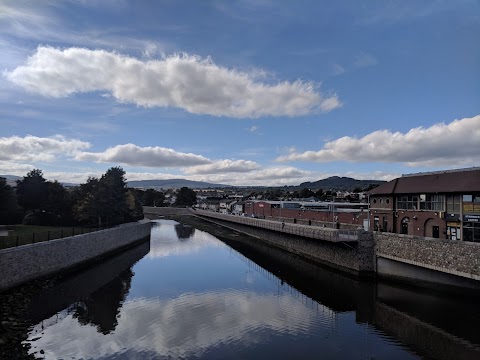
x: 271, y: 176
x: 154, y: 328
x: 224, y: 166
x: 41, y: 22
x: 151, y: 156
x: 253, y: 128
x: 15, y: 168
x: 184, y: 81
x: 33, y: 148
x: 456, y: 143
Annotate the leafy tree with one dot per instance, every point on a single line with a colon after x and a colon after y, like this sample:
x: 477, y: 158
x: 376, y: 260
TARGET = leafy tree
x: 87, y: 208
x: 305, y: 193
x: 8, y: 203
x: 186, y: 197
x: 32, y: 192
x: 134, y: 204
x: 152, y: 197
x: 106, y: 200
x: 113, y: 191
x: 59, y: 203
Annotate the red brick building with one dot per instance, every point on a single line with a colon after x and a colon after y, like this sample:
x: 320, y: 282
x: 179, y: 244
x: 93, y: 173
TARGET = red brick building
x: 443, y: 204
x: 352, y: 214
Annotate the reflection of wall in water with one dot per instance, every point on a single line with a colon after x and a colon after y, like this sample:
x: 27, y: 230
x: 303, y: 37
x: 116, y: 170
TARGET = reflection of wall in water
x: 50, y: 304
x: 427, y: 331
x: 82, y: 283
x: 330, y: 288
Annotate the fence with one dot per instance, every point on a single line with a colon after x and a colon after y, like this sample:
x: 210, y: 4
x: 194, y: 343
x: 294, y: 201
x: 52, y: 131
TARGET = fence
x: 10, y: 241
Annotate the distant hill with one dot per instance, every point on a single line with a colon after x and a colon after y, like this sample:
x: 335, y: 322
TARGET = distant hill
x: 340, y: 183
x: 173, y: 183
x: 11, y: 179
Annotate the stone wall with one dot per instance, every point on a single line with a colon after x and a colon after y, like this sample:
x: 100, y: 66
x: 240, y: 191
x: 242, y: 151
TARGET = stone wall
x: 321, y: 245
x: 164, y: 211
x: 29, y: 262
x: 327, y: 224
x: 448, y: 256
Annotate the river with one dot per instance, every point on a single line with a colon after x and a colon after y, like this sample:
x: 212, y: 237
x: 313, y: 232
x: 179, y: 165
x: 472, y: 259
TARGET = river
x: 187, y: 294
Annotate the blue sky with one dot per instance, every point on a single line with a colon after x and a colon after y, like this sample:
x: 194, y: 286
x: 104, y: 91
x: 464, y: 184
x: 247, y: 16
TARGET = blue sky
x: 247, y: 92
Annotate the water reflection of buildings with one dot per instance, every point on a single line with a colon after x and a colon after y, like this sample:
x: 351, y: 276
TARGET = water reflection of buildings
x: 284, y: 287
x: 434, y: 325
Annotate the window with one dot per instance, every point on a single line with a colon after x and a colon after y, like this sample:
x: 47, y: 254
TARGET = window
x: 432, y: 202
x: 387, y: 201
x: 471, y: 203
x: 381, y: 201
x: 453, y: 204
x: 407, y: 202
x: 374, y: 201
x: 471, y: 231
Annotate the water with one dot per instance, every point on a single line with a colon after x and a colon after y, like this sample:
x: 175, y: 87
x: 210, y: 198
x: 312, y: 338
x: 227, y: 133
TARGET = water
x: 189, y: 295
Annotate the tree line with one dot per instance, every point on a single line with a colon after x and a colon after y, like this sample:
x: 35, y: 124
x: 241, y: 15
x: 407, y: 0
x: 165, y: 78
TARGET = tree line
x: 100, y: 201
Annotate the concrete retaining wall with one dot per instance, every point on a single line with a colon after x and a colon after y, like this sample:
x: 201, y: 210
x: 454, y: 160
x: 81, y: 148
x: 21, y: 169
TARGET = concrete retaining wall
x: 457, y: 258
x: 327, y: 224
x: 163, y: 211
x: 29, y: 262
x: 307, y: 242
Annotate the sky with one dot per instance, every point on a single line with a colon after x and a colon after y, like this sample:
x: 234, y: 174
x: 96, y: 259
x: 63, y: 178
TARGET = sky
x: 240, y: 92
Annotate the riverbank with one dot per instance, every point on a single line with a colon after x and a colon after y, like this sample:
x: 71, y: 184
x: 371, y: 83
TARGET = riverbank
x: 245, y: 243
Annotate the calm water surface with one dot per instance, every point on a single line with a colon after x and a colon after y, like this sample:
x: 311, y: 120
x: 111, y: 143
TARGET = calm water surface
x: 189, y: 295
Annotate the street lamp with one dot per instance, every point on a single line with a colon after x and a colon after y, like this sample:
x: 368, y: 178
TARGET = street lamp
x: 333, y: 214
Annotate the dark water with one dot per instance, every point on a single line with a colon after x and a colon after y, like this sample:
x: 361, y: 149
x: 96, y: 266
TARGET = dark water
x: 189, y: 295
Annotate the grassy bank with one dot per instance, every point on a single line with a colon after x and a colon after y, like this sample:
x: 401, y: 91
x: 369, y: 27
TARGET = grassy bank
x: 28, y: 234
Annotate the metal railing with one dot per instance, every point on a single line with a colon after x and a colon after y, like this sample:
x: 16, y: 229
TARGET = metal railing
x: 10, y: 241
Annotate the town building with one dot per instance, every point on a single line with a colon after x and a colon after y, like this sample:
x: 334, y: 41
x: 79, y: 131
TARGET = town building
x: 441, y: 204
x: 322, y: 213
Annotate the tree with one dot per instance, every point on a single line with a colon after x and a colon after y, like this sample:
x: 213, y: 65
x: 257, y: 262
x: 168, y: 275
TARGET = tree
x: 186, y: 197
x: 113, y: 191
x: 305, y: 193
x: 32, y: 191
x: 135, y: 209
x: 59, y: 204
x: 8, y: 203
x: 87, y: 207
x: 152, y: 197
x: 106, y: 199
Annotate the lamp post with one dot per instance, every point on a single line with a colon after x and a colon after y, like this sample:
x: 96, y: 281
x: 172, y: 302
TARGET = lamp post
x: 333, y: 213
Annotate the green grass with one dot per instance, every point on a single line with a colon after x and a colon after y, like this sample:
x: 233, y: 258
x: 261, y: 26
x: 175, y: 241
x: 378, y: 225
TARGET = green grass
x: 15, y: 230
x: 27, y: 234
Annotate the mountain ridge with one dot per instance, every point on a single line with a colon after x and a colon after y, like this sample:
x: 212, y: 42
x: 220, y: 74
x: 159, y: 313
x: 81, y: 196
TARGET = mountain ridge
x: 340, y: 183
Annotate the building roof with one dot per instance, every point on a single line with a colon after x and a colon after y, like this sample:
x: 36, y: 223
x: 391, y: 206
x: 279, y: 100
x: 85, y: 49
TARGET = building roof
x: 449, y: 181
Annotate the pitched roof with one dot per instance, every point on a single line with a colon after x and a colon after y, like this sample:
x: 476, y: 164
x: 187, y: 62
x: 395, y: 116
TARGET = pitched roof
x: 450, y: 181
